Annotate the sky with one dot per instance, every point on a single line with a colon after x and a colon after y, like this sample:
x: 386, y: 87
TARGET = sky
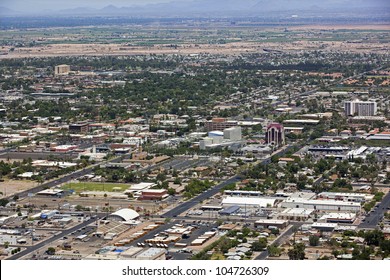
x: 41, y: 5
x: 28, y: 5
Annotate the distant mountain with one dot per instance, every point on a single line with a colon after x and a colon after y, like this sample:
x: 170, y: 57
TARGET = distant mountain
x: 207, y: 8
x: 7, y: 12
x: 77, y: 11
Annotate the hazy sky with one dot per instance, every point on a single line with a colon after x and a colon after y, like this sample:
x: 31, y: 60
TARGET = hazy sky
x: 40, y: 5
x: 26, y: 5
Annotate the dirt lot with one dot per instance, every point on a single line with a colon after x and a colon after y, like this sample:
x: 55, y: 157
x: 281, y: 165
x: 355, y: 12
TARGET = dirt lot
x: 226, y: 49
x: 11, y: 187
x: 338, y: 27
x: 312, y: 38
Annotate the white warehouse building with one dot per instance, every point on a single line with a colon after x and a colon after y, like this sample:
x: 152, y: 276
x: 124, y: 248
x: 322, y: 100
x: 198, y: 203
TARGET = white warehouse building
x: 352, y: 197
x: 327, y: 205
x: 249, y: 202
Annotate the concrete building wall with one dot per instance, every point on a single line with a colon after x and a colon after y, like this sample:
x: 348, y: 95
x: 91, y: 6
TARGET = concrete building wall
x: 233, y: 133
x: 61, y: 69
x: 360, y: 108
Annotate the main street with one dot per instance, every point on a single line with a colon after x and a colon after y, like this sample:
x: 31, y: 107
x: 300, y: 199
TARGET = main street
x: 50, y: 240
x: 185, y: 206
x: 373, y: 218
x: 214, y: 190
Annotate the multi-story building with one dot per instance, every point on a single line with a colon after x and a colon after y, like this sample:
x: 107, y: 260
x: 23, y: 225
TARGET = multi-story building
x: 360, y: 108
x: 219, y: 124
x: 232, y: 133
x: 275, y: 134
x: 62, y: 69
x: 79, y: 127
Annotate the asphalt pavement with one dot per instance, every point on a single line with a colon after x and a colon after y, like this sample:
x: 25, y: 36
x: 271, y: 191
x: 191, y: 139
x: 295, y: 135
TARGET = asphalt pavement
x: 185, y: 206
x: 374, y: 217
x: 51, y: 239
x: 279, y: 240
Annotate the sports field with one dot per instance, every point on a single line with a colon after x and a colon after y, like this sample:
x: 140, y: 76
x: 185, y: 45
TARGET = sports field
x: 92, y: 186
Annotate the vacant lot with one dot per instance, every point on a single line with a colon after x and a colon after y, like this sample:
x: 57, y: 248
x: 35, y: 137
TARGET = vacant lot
x: 10, y: 187
x: 233, y: 41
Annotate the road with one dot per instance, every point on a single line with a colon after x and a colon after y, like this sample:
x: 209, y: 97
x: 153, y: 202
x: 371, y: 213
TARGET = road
x: 308, y: 93
x: 372, y: 219
x: 170, y: 214
x: 185, y: 206
x: 62, y: 180
x: 37, y: 155
x: 178, y: 163
x: 213, y: 191
x: 50, y: 240
x: 279, y: 240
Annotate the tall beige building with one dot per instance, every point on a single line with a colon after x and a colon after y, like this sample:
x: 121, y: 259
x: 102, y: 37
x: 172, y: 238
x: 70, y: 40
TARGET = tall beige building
x: 61, y: 69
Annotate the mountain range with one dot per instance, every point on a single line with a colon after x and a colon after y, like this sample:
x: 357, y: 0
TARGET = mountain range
x: 205, y: 8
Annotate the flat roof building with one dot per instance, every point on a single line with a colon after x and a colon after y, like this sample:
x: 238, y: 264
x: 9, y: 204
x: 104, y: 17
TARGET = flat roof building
x: 360, y: 108
x: 259, y: 202
x: 326, y: 205
x: 271, y: 223
x: 62, y: 69
x: 230, y: 210
x: 139, y: 187
x: 152, y: 254
x: 232, y: 133
x: 299, y: 121
x: 153, y: 194
x: 345, y: 218
x: 324, y: 226
x: 219, y: 124
x: 295, y: 214
x: 79, y: 127
x: 352, y: 197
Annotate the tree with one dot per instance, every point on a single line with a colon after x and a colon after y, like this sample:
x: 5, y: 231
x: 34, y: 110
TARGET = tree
x: 245, y: 231
x: 161, y: 177
x: 314, y: 240
x: 171, y: 191
x: 374, y: 237
x: 259, y: 245
x: 274, y: 251
x: 297, y: 252
x: 51, y: 251
x: 4, y: 202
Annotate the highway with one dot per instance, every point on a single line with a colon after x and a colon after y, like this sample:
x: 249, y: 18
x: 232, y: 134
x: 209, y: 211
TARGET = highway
x: 375, y: 216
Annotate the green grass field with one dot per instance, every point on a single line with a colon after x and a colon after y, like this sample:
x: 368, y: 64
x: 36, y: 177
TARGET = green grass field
x: 91, y: 186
